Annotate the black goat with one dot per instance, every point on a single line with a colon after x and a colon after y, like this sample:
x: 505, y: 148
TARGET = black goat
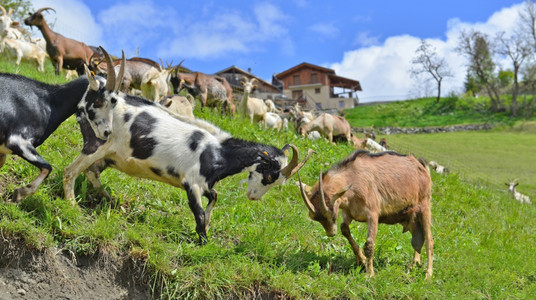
x: 30, y: 112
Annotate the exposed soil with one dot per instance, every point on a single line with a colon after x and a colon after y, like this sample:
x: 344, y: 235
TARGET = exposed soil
x: 55, y: 274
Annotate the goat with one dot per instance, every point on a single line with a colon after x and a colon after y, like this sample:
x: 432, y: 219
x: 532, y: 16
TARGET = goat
x: 214, y: 90
x: 8, y: 28
x: 272, y: 121
x: 373, y: 146
x: 328, y: 126
x: 385, y: 188
x: 254, y: 108
x: 180, y: 104
x: 515, y: 194
x: 155, y: 83
x: 21, y: 49
x: 438, y: 168
x: 135, y: 69
x: 30, y: 112
x: 383, y: 143
x: 143, y: 139
x: 271, y: 106
x: 64, y: 52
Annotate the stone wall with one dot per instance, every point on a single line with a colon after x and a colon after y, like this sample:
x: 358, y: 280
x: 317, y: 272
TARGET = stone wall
x: 416, y: 130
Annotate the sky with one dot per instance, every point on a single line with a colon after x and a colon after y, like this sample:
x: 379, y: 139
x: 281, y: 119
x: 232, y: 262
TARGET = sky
x: 370, y: 41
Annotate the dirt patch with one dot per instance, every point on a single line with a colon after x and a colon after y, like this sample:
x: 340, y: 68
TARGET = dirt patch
x: 55, y: 274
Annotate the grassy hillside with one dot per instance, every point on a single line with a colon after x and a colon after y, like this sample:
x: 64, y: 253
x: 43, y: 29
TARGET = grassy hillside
x: 425, y: 112
x: 483, y: 239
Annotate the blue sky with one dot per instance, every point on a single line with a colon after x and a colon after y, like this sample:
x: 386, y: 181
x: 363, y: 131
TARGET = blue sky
x: 371, y: 41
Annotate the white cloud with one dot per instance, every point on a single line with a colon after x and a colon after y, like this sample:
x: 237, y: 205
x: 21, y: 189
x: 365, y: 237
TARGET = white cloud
x: 383, y: 70
x: 73, y: 19
x: 324, y: 29
x: 364, y: 39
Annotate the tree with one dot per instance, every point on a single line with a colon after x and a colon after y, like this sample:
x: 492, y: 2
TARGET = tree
x: 517, y: 50
x: 427, y: 61
x: 527, y: 22
x: 21, y: 8
x: 476, y: 46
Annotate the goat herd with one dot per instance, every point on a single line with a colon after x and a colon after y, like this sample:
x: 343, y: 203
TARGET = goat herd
x: 165, y: 142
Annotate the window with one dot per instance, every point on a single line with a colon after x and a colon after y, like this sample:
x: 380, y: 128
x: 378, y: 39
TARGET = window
x: 318, y: 105
x: 296, y: 79
x: 317, y: 91
x: 314, y: 78
x: 341, y: 104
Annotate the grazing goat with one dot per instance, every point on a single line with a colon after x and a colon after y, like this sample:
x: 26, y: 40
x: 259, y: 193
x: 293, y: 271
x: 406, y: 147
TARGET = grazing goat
x: 214, y: 90
x: 438, y: 168
x: 272, y: 121
x: 515, y: 194
x: 254, y: 108
x: 180, y: 104
x: 143, y: 139
x: 328, y: 126
x: 373, y: 146
x: 271, y: 106
x: 30, y: 112
x: 385, y: 188
x: 63, y: 52
x: 22, y: 49
x: 155, y: 83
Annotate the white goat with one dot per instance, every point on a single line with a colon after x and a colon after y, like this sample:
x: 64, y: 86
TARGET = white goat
x: 21, y: 49
x: 373, y: 146
x: 272, y: 121
x: 143, y: 139
x: 180, y: 104
x: 254, y: 108
x: 515, y: 194
x: 438, y: 168
x: 155, y: 83
x: 271, y: 106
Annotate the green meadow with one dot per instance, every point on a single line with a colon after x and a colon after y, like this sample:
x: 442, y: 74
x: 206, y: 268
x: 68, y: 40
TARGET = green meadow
x: 484, y: 240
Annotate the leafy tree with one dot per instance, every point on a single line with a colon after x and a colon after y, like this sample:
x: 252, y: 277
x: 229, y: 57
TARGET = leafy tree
x: 471, y: 84
x: 428, y: 62
x: 506, y: 78
x: 477, y: 47
x: 21, y: 8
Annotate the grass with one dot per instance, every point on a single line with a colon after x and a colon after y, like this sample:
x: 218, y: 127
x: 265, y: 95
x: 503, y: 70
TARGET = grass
x: 483, y: 239
x: 426, y: 112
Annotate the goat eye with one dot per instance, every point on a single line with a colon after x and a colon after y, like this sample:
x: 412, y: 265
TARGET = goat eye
x: 114, y: 100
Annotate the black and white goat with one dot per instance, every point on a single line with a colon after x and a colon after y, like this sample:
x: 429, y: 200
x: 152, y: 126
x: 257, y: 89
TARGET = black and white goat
x: 30, y: 112
x: 144, y: 139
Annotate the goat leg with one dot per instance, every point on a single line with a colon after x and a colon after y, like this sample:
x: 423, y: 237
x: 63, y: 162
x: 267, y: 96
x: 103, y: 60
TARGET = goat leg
x: 25, y: 150
x: 194, y: 201
x: 212, y: 197
x: 360, y: 258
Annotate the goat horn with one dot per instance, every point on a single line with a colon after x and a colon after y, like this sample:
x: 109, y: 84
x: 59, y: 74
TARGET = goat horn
x: 178, y: 67
x: 3, y: 10
x: 293, y: 166
x: 93, y: 83
x: 119, y: 78
x: 323, y: 204
x: 305, y: 198
x: 110, y: 76
x: 43, y: 9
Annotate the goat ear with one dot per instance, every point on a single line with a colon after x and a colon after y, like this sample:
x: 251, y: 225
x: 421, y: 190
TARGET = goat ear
x: 93, y: 83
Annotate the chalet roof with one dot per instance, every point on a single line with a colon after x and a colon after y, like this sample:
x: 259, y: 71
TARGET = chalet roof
x: 235, y: 69
x: 301, y: 66
x: 344, y: 82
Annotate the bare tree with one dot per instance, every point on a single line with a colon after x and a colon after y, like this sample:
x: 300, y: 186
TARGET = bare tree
x: 477, y: 47
x: 517, y: 50
x: 428, y: 61
x: 527, y: 21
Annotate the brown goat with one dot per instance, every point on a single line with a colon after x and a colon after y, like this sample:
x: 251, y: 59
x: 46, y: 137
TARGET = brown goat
x: 385, y: 188
x: 64, y: 52
x: 213, y: 89
x: 329, y: 126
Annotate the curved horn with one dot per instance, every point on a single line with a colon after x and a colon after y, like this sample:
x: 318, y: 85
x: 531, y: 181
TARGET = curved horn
x: 323, y: 205
x: 178, y: 67
x: 253, y: 80
x: 119, y: 78
x: 110, y: 76
x: 3, y: 10
x: 43, y: 9
x: 293, y: 166
x: 305, y: 198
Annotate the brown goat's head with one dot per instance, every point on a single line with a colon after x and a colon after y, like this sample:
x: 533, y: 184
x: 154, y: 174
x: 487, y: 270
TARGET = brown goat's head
x: 315, y: 200
x: 36, y: 19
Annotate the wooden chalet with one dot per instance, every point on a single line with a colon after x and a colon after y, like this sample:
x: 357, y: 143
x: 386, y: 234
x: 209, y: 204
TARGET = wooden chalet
x: 316, y: 87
